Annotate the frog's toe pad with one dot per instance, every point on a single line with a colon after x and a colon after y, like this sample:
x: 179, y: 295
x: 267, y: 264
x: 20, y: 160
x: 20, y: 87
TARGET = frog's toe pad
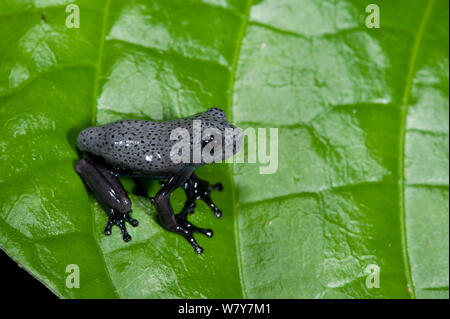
x: 192, y: 228
x: 119, y: 219
x: 216, y: 187
x: 195, y: 189
x: 187, y: 229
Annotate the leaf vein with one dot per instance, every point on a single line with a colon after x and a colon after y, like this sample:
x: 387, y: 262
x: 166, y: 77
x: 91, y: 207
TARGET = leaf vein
x: 237, y: 52
x: 402, y: 136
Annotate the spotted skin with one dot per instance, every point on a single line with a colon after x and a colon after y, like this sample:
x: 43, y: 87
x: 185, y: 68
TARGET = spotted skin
x: 144, y: 146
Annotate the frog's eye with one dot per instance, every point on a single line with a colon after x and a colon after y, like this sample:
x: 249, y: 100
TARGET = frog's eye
x: 208, y: 140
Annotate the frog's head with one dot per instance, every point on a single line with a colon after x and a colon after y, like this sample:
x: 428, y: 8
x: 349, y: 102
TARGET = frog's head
x: 218, y: 135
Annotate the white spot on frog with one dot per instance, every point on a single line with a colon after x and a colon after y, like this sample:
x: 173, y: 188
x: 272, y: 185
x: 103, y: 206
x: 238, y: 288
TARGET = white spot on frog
x: 151, y: 157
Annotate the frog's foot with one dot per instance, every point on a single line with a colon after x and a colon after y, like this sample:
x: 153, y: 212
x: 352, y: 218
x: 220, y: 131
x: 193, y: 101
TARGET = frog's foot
x: 119, y: 219
x: 197, y: 188
x: 187, y: 229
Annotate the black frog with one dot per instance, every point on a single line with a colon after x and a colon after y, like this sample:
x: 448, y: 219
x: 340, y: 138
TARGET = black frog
x: 145, y: 149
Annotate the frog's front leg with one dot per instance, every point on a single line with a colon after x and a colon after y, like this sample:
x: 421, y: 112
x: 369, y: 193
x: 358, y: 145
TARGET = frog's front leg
x: 108, y: 190
x: 177, y: 223
x: 197, y: 188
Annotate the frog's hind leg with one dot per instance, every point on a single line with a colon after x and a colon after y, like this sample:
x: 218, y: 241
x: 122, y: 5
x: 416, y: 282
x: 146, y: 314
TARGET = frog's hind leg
x: 177, y: 223
x: 108, y: 190
x: 197, y: 188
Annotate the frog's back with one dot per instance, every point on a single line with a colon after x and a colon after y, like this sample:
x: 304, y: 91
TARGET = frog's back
x: 133, y: 145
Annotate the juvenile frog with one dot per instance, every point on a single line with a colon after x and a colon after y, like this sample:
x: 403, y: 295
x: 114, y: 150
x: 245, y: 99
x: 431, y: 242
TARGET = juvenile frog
x: 145, y: 149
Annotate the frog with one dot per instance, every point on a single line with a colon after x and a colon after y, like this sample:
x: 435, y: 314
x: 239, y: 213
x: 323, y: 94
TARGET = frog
x: 144, y: 149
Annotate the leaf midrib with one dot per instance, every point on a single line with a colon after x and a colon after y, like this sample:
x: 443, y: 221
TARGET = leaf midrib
x: 402, y: 138
x: 230, y: 94
x: 230, y: 88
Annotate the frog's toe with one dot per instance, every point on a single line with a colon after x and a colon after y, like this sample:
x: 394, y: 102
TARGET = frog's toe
x: 189, y: 236
x: 187, y: 229
x: 120, y: 219
x: 108, y: 227
x: 217, y: 212
x: 198, y: 250
x: 185, y: 224
x: 126, y: 237
x: 133, y: 222
x: 195, y: 189
x: 216, y: 187
x: 208, y: 201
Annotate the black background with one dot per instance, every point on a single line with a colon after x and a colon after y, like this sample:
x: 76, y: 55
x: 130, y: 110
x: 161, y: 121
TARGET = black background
x: 17, y: 283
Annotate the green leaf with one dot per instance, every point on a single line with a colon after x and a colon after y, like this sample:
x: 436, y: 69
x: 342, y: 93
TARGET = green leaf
x: 362, y: 118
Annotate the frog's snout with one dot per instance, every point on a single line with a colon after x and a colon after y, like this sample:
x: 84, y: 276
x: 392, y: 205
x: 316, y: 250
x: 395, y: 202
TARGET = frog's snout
x: 84, y: 137
x: 88, y: 138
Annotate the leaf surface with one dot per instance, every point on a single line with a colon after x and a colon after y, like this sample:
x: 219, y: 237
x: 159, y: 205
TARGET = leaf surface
x: 362, y: 118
